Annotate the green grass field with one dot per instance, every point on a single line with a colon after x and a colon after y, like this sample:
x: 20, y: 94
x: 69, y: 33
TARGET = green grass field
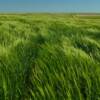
x: 49, y: 57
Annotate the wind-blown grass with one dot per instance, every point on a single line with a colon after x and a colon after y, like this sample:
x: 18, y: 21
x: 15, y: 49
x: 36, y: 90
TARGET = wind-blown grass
x: 49, y: 57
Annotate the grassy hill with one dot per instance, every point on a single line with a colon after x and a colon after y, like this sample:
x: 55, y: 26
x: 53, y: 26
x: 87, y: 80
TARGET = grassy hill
x: 49, y: 57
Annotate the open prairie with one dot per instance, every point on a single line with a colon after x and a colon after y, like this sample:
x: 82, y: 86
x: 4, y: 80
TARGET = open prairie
x: 49, y: 57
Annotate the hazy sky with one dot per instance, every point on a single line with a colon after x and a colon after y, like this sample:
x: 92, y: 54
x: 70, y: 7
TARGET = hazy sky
x: 49, y: 5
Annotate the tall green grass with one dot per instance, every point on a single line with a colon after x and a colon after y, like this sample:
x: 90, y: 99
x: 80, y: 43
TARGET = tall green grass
x: 49, y: 57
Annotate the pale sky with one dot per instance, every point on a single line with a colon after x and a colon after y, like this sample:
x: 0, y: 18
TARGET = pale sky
x: 49, y: 5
